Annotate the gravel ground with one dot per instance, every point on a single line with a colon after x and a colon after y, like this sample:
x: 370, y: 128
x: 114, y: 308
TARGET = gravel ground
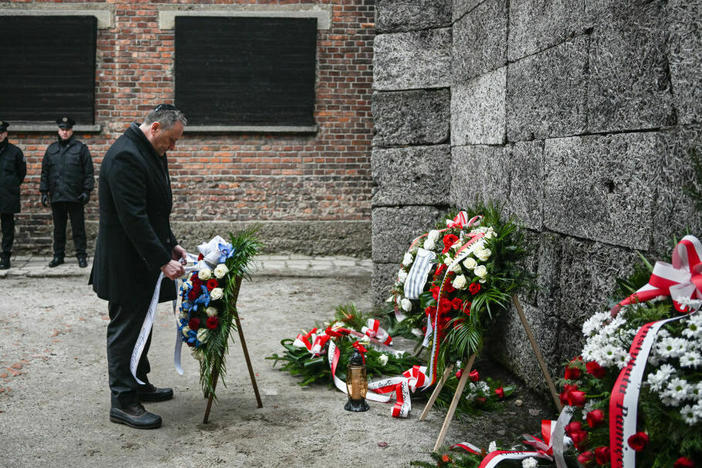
x: 54, y: 397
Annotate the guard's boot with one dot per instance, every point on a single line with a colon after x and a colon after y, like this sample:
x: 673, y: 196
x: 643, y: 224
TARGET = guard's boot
x: 56, y: 261
x: 4, y: 262
x: 82, y: 261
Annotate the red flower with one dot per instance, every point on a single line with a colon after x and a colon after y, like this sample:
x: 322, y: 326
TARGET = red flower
x: 435, y: 292
x: 595, y: 418
x: 212, y: 322
x: 595, y: 369
x: 448, y: 287
x: 449, y: 240
x: 578, y: 437
x: 445, y: 458
x: 456, y: 303
x: 197, y: 282
x: 459, y: 373
x: 572, y: 373
x: 474, y: 376
x: 500, y: 392
x: 602, y: 455
x: 440, y: 269
x: 575, y: 426
x: 444, y: 306
x: 474, y: 288
x: 638, y: 441
x: 212, y: 283
x: 194, y: 323
x: 200, y: 257
x: 576, y: 398
x: 429, y: 310
x: 567, y: 388
x: 193, y: 294
x: 585, y: 457
x: 684, y: 462
x: 466, y: 307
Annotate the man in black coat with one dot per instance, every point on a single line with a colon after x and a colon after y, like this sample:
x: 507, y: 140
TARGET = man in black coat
x: 13, y: 168
x: 66, y: 182
x: 135, y: 243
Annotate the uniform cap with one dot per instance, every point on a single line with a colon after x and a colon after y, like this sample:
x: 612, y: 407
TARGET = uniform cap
x: 3, y: 126
x: 65, y: 122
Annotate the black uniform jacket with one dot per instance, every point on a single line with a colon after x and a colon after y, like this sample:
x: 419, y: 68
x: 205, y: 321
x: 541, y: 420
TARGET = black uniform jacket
x: 66, y: 171
x: 134, y: 237
x: 13, y: 168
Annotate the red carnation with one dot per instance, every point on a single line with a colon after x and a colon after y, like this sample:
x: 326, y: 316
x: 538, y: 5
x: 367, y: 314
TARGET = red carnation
x: 595, y: 418
x: 500, y: 392
x: 595, y: 369
x: 212, y: 283
x: 449, y: 240
x: 585, y: 457
x: 474, y: 376
x: 197, y: 282
x: 212, y: 322
x: 440, y: 269
x: 572, y: 373
x: 457, y: 303
x: 444, y: 306
x: 459, y: 373
x: 194, y: 323
x: 684, y: 462
x: 474, y: 288
x: 575, y: 426
x: 638, y: 441
x: 448, y: 287
x: 602, y: 455
x: 435, y: 292
x: 429, y: 309
x: 193, y: 294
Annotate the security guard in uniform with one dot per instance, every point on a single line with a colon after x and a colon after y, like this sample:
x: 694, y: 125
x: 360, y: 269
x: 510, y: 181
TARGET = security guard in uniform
x: 66, y: 182
x: 13, y: 168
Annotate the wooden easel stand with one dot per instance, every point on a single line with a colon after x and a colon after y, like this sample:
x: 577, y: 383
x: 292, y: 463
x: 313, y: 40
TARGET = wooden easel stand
x: 454, y: 402
x: 215, y: 374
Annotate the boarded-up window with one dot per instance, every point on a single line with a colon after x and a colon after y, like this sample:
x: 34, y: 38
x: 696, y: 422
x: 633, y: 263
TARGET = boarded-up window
x: 245, y: 71
x: 48, y: 68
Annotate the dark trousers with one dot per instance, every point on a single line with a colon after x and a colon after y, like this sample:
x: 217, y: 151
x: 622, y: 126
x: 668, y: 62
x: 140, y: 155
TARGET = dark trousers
x: 61, y: 211
x: 122, y: 333
x: 8, y: 232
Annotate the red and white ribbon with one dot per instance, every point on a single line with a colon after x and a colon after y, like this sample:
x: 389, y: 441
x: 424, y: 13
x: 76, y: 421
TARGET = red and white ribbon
x: 461, y: 220
x: 374, y: 330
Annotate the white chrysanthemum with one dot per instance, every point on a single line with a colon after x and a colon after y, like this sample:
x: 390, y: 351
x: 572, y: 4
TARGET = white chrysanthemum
x: 693, y: 331
x: 221, y: 270
x: 672, y: 347
x: 688, y: 415
x: 483, y: 386
x: 407, y: 259
x: 697, y: 409
x: 492, y: 447
x: 406, y: 304
x: 678, y: 390
x: 594, y: 323
x: 691, y: 359
x: 383, y: 359
x: 401, y: 276
x: 530, y: 463
x: 204, y: 274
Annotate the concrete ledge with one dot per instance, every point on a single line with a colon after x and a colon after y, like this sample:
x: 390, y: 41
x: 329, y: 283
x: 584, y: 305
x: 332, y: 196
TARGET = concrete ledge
x: 251, y: 129
x: 102, y: 12
x: 41, y: 128
x: 323, y: 13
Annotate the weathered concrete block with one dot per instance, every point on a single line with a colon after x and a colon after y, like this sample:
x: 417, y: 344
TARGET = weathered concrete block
x: 525, y: 199
x: 479, y: 173
x: 629, y: 84
x: 412, y: 60
x: 603, y: 187
x: 411, y: 117
x: 685, y: 58
x: 478, y: 110
x: 395, y: 228
x: 461, y: 7
x: 406, y: 15
x: 535, y: 25
x: 417, y: 175
x: 546, y: 93
x: 480, y: 40
x: 384, y: 275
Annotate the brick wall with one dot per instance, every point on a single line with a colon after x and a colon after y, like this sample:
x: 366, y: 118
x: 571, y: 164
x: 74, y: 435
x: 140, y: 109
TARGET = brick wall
x: 310, y: 191
x: 576, y: 115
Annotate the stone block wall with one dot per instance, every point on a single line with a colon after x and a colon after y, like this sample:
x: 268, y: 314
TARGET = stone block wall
x: 576, y: 115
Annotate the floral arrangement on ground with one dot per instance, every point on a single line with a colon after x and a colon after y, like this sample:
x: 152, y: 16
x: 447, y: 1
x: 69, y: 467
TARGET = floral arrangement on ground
x: 208, y: 301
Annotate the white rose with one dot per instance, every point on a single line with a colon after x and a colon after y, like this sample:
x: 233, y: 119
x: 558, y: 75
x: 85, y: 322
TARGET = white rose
x: 216, y: 294
x: 447, y: 260
x: 470, y: 263
x: 383, y: 359
x: 429, y: 244
x: 406, y: 305
x: 203, y: 335
x: 483, y: 254
x: 204, y: 274
x: 460, y: 282
x: 408, y: 259
x: 185, y: 330
x: 401, y: 276
x: 187, y: 285
x: 455, y: 268
x: 480, y: 271
x: 211, y: 312
x: 221, y: 270
x: 433, y: 235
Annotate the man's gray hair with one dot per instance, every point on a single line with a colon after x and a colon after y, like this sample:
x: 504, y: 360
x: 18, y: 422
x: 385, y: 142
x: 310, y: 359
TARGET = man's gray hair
x: 166, y: 115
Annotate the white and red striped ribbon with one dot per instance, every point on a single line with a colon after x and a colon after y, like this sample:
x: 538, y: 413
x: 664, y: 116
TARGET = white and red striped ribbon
x: 374, y: 330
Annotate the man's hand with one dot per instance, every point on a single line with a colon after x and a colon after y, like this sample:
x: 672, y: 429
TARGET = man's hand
x: 84, y: 198
x: 178, y: 253
x: 173, y: 269
x: 44, y: 199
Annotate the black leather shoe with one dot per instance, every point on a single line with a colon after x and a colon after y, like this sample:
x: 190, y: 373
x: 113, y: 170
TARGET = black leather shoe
x: 150, y: 393
x: 135, y: 416
x: 56, y: 262
x: 82, y: 262
x: 5, y: 263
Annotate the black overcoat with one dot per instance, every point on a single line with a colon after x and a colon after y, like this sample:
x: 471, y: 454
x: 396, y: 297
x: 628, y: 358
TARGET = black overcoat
x: 66, y: 171
x: 13, y: 168
x: 134, y: 236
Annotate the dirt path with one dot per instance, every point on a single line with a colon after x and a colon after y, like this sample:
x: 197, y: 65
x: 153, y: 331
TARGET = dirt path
x: 54, y: 398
